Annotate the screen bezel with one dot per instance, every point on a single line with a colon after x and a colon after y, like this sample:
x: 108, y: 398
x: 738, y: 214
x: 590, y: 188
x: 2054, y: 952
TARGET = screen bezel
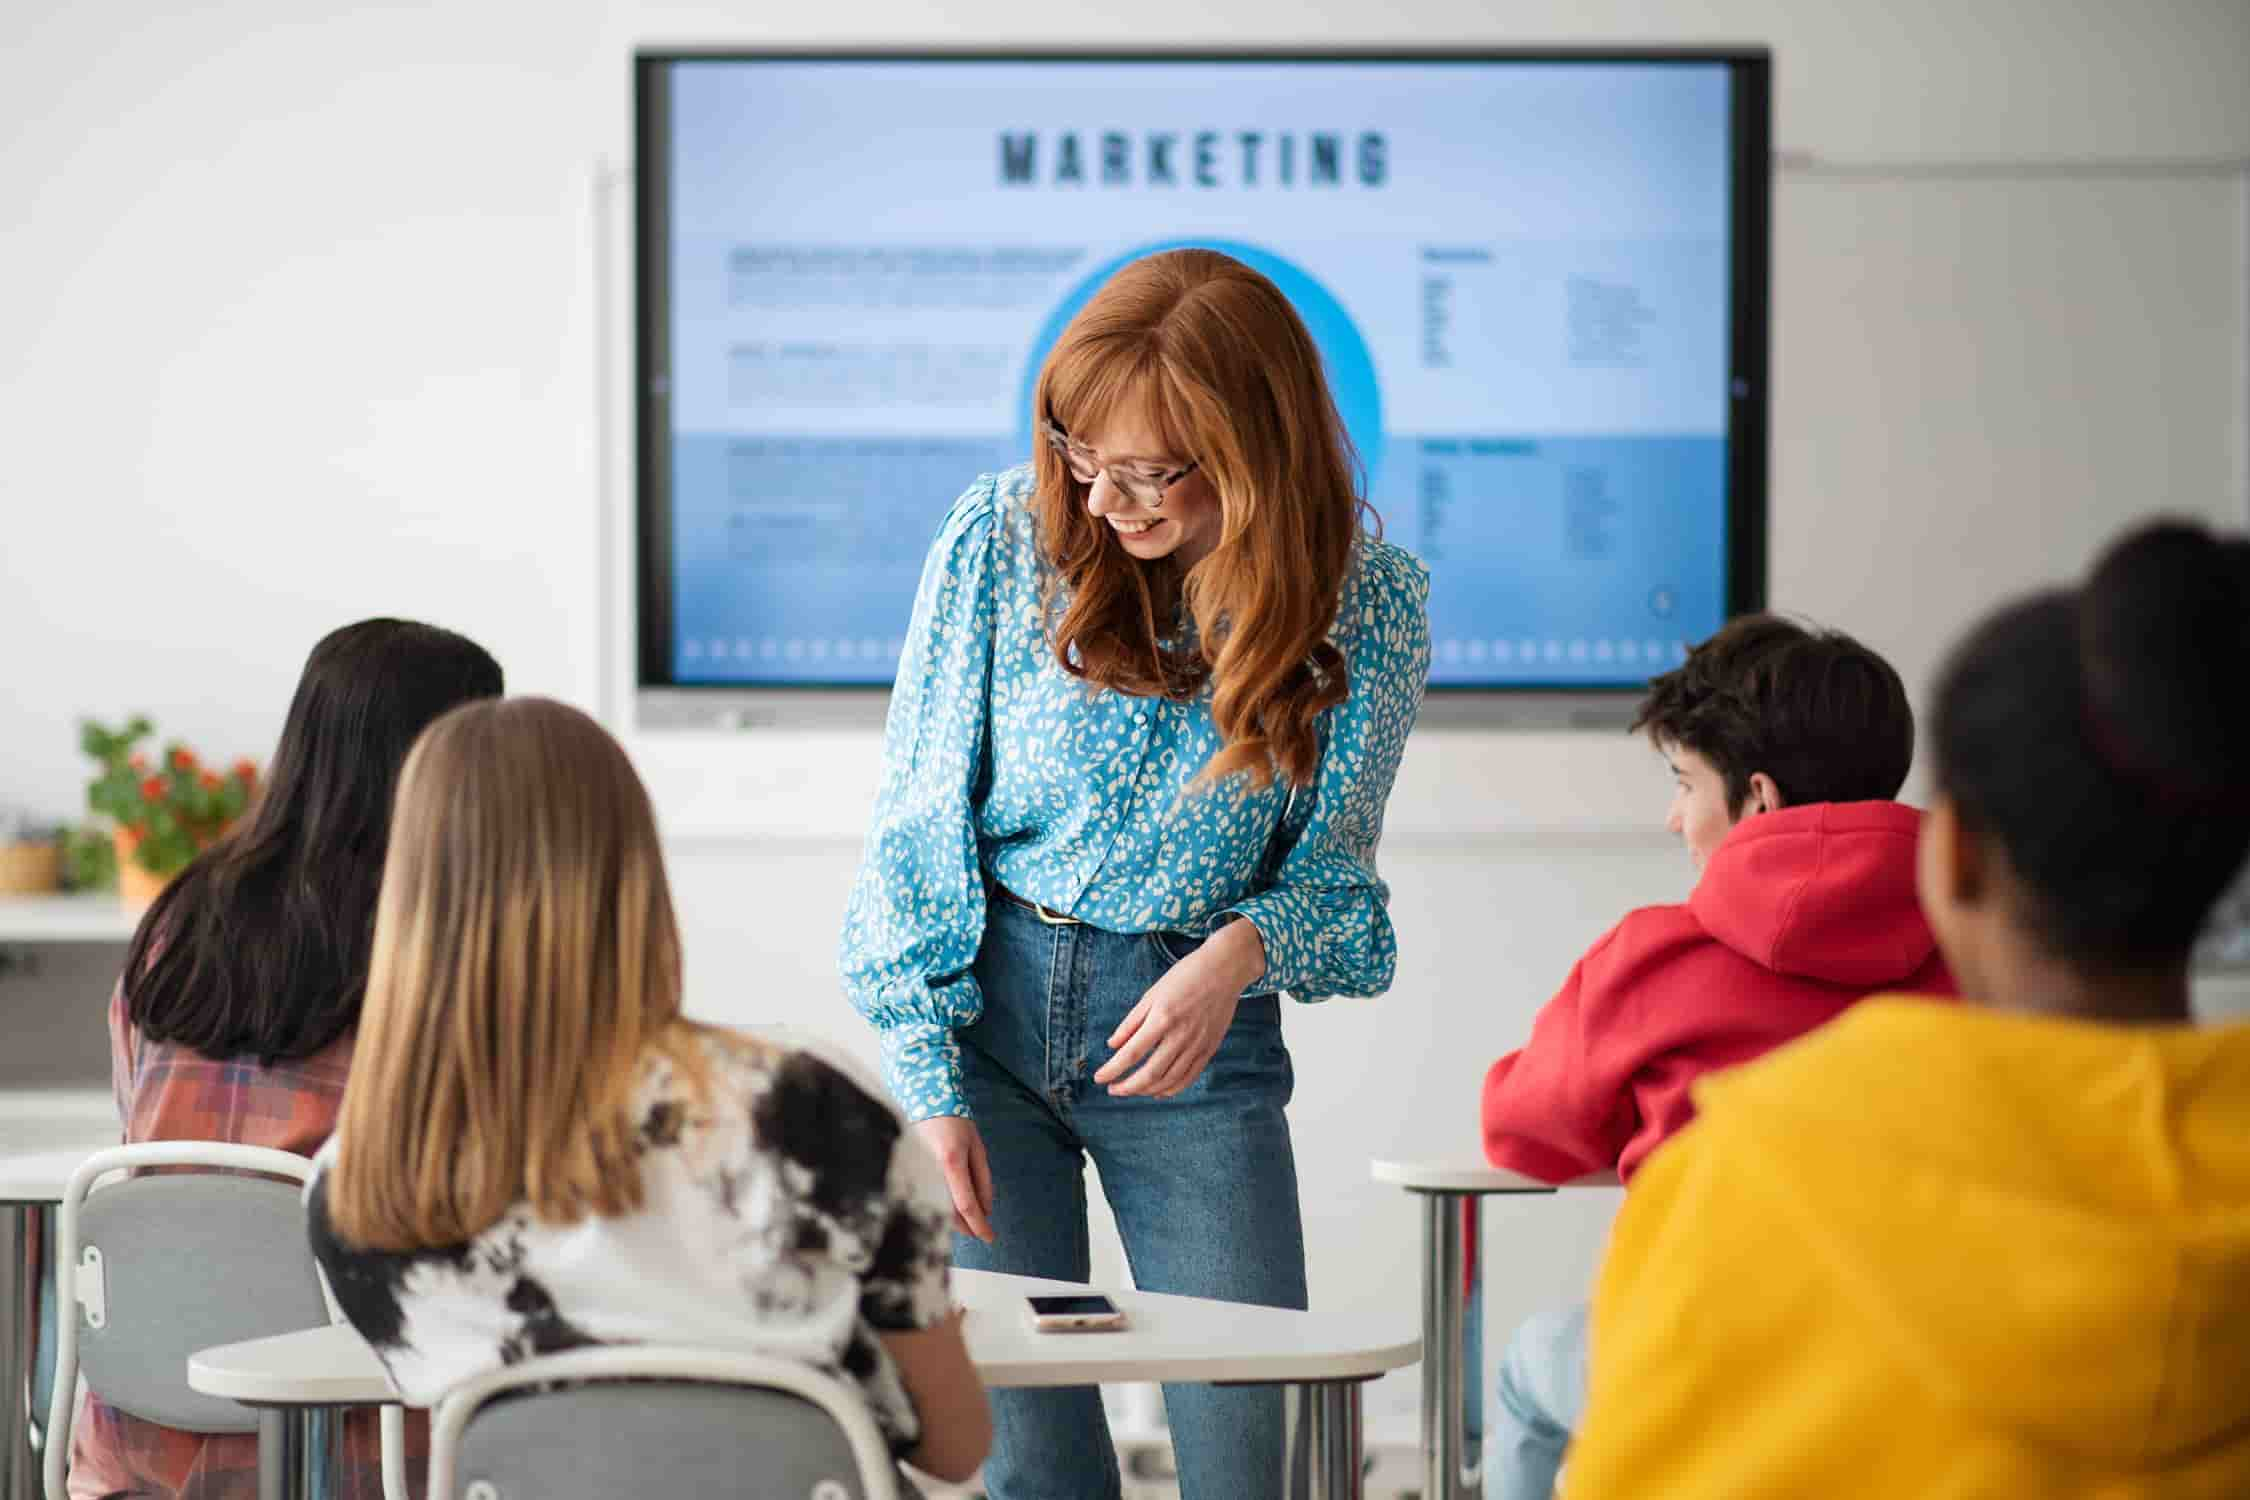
x: 667, y: 702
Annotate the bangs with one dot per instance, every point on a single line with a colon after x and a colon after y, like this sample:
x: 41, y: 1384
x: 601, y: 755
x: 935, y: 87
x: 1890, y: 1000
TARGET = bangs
x: 1092, y: 381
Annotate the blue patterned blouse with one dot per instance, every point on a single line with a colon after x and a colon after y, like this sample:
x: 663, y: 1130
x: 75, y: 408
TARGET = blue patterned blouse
x: 998, y: 765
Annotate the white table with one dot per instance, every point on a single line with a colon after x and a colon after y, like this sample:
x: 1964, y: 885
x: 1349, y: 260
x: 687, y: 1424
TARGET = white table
x: 1453, y: 1190
x: 32, y: 1178
x: 34, y: 1121
x: 1320, y: 1361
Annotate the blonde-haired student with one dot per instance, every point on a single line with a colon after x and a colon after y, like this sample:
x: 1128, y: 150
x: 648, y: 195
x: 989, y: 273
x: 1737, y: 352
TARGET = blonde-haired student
x: 539, y: 1152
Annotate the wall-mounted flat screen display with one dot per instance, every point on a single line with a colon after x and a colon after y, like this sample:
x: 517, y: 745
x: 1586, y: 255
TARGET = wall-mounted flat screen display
x: 1538, y: 282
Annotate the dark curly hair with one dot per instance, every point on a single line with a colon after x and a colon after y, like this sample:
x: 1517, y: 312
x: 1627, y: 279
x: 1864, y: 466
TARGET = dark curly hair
x: 2101, y: 736
x: 1821, y: 714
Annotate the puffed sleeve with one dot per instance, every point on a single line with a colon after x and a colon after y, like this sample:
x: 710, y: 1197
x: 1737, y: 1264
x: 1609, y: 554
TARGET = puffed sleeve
x: 1324, y: 919
x: 916, y: 913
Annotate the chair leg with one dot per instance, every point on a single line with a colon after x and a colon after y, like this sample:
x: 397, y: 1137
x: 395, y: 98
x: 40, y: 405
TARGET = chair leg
x: 393, y: 1422
x: 20, y: 1231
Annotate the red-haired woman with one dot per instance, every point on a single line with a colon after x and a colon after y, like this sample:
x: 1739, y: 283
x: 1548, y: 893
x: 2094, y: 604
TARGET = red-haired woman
x: 1149, y: 712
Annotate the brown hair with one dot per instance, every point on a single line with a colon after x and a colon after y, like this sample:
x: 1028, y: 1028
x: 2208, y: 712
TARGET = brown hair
x: 525, y: 957
x: 1821, y: 714
x: 1229, y: 378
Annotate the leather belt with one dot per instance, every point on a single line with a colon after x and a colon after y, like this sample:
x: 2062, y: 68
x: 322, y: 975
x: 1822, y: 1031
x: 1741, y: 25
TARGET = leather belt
x: 1047, y: 915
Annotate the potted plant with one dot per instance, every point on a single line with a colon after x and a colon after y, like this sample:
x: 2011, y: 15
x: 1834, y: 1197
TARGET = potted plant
x: 162, y: 813
x: 30, y: 855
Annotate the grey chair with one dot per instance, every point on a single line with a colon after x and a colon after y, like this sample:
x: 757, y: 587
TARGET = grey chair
x: 154, y: 1266
x: 647, y: 1420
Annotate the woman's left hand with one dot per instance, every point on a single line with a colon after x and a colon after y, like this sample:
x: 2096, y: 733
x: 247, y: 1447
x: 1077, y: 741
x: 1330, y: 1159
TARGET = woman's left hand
x: 1173, y: 1034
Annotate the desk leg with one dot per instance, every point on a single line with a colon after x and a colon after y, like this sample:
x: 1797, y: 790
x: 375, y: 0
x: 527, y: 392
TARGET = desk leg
x: 1453, y: 1346
x: 22, y: 1226
x: 1326, y: 1460
x: 299, y: 1452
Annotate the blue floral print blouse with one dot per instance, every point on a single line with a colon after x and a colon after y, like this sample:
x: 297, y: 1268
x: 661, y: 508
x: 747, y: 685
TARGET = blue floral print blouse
x: 1000, y: 767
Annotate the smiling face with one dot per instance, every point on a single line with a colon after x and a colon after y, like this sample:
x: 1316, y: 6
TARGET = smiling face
x: 1189, y: 522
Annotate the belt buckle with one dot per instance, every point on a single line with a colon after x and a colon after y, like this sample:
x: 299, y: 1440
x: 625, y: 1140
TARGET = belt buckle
x: 1053, y: 918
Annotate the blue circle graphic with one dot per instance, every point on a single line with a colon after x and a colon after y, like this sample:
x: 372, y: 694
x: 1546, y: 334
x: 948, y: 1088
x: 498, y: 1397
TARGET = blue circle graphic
x: 1350, y: 368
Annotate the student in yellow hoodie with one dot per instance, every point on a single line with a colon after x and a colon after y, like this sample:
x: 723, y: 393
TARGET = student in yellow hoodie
x: 2003, y: 1248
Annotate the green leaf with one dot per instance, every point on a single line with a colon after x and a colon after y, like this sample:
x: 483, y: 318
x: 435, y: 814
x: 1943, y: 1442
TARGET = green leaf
x: 89, y: 860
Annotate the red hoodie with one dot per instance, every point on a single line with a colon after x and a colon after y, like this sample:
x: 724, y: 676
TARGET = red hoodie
x: 1798, y: 914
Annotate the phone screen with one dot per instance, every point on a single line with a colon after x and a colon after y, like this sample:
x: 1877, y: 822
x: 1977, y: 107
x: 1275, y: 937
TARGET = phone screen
x: 1071, y: 1307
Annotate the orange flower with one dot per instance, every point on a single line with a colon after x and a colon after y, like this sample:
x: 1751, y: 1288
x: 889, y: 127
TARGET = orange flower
x: 152, y: 790
x: 134, y: 833
x: 138, y: 762
x: 183, y: 759
x: 246, y: 771
x: 211, y: 781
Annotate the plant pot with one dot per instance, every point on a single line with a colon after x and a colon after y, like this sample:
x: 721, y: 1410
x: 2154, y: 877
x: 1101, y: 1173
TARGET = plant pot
x: 136, y: 887
x: 30, y: 869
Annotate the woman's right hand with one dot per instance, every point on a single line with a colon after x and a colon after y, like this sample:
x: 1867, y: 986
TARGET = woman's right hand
x: 968, y: 1175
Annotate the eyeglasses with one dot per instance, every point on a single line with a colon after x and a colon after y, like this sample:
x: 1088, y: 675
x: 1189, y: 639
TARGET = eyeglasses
x: 1137, y: 485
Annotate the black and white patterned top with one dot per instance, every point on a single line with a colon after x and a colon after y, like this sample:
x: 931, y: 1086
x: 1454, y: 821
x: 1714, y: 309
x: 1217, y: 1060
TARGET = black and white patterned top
x: 793, y: 1216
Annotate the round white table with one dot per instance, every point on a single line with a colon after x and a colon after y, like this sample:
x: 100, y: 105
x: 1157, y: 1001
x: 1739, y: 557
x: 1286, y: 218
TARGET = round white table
x: 1320, y: 1360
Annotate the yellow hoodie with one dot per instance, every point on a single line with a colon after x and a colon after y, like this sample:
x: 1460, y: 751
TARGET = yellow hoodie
x: 1934, y: 1251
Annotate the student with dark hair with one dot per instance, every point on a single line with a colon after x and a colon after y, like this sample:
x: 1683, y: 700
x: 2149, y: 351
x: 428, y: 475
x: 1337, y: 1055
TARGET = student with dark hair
x: 1767, y: 706
x: 1786, y: 746
x: 2001, y: 1248
x: 235, y: 1018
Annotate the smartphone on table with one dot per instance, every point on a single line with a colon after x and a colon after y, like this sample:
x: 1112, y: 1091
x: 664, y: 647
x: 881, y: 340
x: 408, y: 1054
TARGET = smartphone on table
x: 1088, y: 1312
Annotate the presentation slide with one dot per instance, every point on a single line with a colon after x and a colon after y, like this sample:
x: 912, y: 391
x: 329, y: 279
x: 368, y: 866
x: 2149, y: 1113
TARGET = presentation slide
x: 1517, y: 273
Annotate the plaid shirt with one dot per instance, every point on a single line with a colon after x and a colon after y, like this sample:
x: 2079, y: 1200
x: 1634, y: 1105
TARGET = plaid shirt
x: 167, y: 1092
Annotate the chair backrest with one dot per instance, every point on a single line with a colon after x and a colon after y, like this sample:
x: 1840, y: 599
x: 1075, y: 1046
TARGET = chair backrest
x: 152, y: 1268
x: 644, y: 1420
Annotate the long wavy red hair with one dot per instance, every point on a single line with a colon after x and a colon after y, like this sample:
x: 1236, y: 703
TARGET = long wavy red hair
x: 1222, y: 366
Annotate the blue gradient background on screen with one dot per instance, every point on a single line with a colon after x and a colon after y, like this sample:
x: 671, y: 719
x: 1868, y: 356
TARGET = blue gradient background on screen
x: 1523, y: 311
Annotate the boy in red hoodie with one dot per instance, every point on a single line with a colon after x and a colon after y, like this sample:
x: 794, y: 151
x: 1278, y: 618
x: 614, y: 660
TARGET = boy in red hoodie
x: 1787, y: 746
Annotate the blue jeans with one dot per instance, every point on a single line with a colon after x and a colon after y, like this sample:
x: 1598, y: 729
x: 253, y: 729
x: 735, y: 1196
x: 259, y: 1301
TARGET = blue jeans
x: 1203, y: 1187
x: 1541, y: 1398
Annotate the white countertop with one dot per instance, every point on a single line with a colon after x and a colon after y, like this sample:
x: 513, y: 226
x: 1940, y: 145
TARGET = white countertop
x: 46, y: 1119
x: 39, y: 1176
x: 94, y: 918
x: 1166, y: 1338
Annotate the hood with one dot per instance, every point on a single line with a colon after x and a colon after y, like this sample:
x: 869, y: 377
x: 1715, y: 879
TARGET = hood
x: 1823, y: 892
x: 2046, y: 1223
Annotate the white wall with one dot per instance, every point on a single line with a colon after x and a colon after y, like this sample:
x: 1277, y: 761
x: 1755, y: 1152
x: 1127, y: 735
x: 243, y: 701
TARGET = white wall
x: 302, y: 310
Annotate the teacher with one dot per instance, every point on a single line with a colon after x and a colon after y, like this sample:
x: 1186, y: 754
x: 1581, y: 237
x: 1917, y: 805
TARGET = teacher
x: 1148, y: 714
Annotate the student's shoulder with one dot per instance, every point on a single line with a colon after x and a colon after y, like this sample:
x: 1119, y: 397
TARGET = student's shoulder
x: 1649, y: 952
x: 796, y: 1085
x: 1819, y: 1073
x: 1647, y: 933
